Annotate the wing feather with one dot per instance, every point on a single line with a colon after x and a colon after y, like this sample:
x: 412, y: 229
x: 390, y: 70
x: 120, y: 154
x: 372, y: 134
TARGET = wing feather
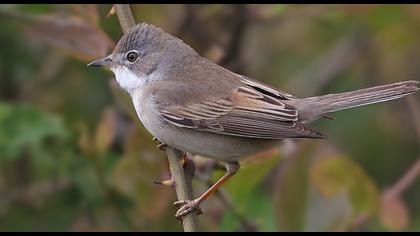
x: 253, y: 110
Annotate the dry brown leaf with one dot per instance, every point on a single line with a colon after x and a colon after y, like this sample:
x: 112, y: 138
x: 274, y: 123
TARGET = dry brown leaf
x: 84, y: 141
x: 140, y: 153
x: 111, y: 12
x: 88, y: 12
x: 394, y: 213
x: 76, y: 36
x: 105, y: 131
x: 215, y: 53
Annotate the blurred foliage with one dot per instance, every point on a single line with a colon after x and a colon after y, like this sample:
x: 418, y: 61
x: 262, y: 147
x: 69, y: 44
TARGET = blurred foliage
x: 74, y: 157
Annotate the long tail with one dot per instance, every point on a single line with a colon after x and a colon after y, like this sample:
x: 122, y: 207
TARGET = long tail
x: 314, y: 107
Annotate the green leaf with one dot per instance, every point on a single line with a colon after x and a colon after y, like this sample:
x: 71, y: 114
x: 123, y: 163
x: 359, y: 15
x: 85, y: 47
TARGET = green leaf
x: 24, y: 126
x: 250, y: 200
x: 337, y: 175
x: 258, y: 212
x: 248, y: 178
x: 133, y: 175
x: 292, y: 190
x: 327, y: 214
x: 35, y: 8
x: 56, y: 215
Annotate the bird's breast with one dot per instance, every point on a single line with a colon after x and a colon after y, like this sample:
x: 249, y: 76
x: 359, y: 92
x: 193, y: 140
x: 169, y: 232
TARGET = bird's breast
x: 147, y: 112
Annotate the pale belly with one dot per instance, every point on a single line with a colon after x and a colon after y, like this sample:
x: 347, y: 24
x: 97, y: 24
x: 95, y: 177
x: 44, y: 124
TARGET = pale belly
x: 206, y: 144
x: 215, y: 146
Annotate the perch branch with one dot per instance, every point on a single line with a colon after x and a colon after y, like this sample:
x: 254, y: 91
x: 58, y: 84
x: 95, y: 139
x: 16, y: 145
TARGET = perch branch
x: 183, y: 183
x: 125, y: 16
x: 232, y: 57
x: 183, y: 180
x: 405, y: 181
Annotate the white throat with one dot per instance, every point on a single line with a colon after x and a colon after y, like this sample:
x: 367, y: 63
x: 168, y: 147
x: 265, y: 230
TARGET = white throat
x: 127, y: 79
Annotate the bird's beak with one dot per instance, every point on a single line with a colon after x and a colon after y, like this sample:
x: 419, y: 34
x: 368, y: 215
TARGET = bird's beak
x: 103, y: 62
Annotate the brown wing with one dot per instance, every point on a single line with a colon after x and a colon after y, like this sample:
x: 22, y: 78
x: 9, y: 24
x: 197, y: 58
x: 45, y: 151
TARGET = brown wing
x: 253, y: 110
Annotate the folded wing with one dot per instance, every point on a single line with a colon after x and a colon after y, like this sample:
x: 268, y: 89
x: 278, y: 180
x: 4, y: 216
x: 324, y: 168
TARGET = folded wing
x: 253, y: 110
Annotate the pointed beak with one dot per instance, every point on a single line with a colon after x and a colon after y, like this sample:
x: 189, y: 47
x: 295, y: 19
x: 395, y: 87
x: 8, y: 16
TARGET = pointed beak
x: 103, y: 62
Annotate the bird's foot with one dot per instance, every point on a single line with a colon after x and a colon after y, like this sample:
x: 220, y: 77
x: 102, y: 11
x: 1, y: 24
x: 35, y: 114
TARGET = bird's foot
x: 161, y: 145
x: 187, y: 207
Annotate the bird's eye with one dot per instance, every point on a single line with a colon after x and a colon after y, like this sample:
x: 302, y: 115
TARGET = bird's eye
x: 132, y: 56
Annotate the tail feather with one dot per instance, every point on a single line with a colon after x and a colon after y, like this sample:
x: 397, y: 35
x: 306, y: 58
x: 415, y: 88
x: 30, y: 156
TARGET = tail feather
x: 314, y: 107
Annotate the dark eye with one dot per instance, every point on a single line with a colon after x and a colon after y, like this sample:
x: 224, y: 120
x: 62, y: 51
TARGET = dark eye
x: 132, y: 56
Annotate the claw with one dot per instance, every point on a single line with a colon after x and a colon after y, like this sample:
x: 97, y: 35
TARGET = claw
x: 329, y: 117
x: 184, y: 159
x: 187, y: 207
x: 161, y: 145
x: 180, y: 202
x: 168, y: 182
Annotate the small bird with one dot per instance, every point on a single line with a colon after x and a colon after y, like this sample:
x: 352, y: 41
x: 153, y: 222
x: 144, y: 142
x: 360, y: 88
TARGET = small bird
x: 190, y: 103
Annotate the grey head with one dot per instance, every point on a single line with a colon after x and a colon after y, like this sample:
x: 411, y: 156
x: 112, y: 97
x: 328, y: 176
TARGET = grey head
x: 144, y: 49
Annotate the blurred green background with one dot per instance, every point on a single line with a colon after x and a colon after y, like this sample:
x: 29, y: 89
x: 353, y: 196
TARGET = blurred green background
x: 74, y: 157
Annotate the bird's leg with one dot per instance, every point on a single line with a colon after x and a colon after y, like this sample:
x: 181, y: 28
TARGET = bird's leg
x: 161, y: 145
x: 188, y: 206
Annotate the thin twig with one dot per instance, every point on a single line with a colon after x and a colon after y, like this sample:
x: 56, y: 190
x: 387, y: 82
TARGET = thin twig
x: 397, y: 189
x: 227, y: 203
x: 203, y: 175
x: 182, y: 183
x: 413, y: 106
x: 125, y: 16
x: 411, y: 174
x: 326, y: 67
x: 232, y: 56
x: 405, y: 181
x: 183, y: 180
x: 248, y: 225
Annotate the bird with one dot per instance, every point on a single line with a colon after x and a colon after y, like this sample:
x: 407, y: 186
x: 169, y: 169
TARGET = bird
x: 192, y: 104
